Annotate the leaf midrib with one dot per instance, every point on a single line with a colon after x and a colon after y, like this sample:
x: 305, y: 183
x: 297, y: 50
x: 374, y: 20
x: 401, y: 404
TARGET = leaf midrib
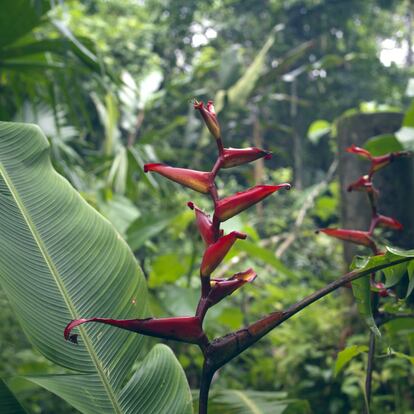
x: 58, y: 280
x: 248, y: 402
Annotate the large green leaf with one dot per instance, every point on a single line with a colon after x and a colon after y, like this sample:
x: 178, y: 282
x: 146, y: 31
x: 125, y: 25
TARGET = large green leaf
x: 8, y: 402
x: 19, y: 17
x: 61, y: 260
x: 254, y: 402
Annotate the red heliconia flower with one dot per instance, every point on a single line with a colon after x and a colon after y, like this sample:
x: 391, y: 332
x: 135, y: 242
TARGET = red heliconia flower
x: 363, y: 183
x: 230, y: 206
x: 210, y: 118
x: 216, y: 252
x: 354, y: 236
x: 204, y: 224
x: 389, y: 222
x: 239, y: 156
x: 220, y: 288
x: 197, y: 180
x: 186, y: 329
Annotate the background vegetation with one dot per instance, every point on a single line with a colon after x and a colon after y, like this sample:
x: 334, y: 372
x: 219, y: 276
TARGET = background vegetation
x: 111, y: 84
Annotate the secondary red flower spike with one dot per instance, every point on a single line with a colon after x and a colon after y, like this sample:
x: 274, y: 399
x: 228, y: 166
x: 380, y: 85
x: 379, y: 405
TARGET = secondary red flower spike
x: 196, y: 180
x: 186, y: 329
x: 238, y: 156
x: 215, y: 253
x: 354, y: 236
x: 204, y: 224
x: 210, y: 118
x: 220, y: 288
x: 230, y: 206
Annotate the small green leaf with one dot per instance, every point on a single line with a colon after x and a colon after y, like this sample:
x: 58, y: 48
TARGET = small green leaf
x: 394, y: 274
x: 346, y: 355
x: 318, y: 129
x: 383, y: 144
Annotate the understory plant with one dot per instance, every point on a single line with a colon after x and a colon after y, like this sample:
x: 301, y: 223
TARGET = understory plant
x: 190, y: 329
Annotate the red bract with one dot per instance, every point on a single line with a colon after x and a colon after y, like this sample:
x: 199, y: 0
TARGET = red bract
x: 353, y: 236
x: 204, y: 224
x: 362, y: 184
x: 197, y: 180
x: 238, y: 156
x: 225, y: 287
x: 210, y: 118
x: 360, y: 151
x: 230, y: 206
x: 215, y: 253
x: 186, y: 329
x: 389, y: 222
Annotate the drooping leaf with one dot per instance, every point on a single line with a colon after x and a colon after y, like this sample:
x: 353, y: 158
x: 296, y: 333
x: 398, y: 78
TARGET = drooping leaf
x: 394, y: 274
x: 362, y: 294
x: 254, y: 402
x: 60, y: 260
x: 8, y: 402
x: 347, y: 354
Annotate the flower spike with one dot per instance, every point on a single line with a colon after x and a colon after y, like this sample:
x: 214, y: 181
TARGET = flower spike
x: 186, y: 329
x: 239, y: 156
x: 215, y: 253
x: 230, y: 206
x: 225, y: 287
x: 204, y: 224
x: 196, y: 180
x: 210, y: 118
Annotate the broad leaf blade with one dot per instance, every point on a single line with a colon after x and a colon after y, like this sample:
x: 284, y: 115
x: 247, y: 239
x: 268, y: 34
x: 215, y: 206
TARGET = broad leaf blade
x: 61, y: 260
x: 254, y: 402
x: 8, y: 402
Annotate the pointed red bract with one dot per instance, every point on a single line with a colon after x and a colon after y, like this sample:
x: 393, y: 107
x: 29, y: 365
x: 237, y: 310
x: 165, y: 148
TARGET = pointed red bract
x: 210, y: 118
x: 186, y: 329
x: 389, y: 222
x: 353, y: 236
x: 220, y: 288
x: 204, y: 224
x: 239, y: 156
x: 197, y: 180
x: 360, y: 151
x: 215, y: 253
x: 230, y: 206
